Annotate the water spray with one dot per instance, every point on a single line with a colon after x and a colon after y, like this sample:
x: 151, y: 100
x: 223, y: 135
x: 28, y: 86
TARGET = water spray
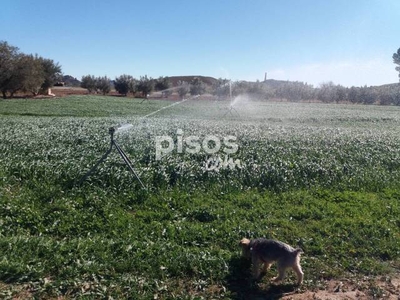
x: 125, y: 158
x: 169, y: 89
x: 113, y: 144
x: 231, y: 108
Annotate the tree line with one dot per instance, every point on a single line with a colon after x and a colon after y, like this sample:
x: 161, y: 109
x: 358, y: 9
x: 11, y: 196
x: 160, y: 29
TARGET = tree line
x: 127, y: 84
x: 124, y: 84
x: 20, y: 72
x: 327, y: 92
x: 272, y: 90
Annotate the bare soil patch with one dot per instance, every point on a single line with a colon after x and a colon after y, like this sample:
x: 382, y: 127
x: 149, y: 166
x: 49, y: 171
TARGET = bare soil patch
x: 385, y: 287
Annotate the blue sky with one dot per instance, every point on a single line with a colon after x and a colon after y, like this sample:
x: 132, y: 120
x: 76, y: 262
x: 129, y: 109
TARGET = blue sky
x: 348, y: 42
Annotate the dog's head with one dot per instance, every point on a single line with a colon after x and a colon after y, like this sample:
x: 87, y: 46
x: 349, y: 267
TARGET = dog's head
x: 245, y: 245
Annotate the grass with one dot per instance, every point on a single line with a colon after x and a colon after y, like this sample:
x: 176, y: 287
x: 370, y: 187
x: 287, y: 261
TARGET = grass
x: 79, y: 106
x: 321, y: 177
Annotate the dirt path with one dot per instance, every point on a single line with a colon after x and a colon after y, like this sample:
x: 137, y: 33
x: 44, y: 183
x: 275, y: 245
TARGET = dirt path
x: 384, y: 287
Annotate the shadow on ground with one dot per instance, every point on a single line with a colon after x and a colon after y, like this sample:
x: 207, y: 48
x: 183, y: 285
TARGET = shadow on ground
x: 241, y: 286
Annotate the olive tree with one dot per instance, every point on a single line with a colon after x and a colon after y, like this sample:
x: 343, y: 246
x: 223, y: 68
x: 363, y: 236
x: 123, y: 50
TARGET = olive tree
x: 51, y: 72
x: 221, y: 88
x: 396, y: 60
x: 19, y: 72
x: 8, y: 56
x: 145, y: 85
x: 31, y: 74
x: 197, y: 87
x: 27, y: 73
x: 183, y: 88
x: 103, y: 84
x: 133, y: 86
x: 88, y: 82
x: 163, y: 85
x: 122, y: 83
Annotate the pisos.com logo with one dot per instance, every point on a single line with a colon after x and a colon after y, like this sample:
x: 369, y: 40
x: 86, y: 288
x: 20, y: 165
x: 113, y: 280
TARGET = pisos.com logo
x: 220, y: 149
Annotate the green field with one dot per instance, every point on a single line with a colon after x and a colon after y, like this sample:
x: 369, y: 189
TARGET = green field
x: 322, y: 177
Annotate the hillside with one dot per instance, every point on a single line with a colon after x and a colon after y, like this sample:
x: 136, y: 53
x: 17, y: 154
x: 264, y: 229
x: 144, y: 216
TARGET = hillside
x: 70, y: 81
x: 206, y: 79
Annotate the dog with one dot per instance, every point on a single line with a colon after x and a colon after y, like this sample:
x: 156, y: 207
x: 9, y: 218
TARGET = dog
x: 264, y: 251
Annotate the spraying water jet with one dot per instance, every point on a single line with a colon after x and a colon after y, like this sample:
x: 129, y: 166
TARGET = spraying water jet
x: 231, y: 108
x: 113, y: 144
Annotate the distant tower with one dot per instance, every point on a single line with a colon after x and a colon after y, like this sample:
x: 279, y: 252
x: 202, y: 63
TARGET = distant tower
x: 265, y: 77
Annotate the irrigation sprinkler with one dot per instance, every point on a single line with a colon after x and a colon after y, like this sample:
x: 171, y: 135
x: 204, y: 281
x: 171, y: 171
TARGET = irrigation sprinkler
x: 231, y: 108
x: 145, y: 99
x: 121, y: 152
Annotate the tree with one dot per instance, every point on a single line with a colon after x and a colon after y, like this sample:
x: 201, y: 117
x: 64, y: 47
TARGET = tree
x: 386, y: 98
x: 327, y: 92
x: 256, y: 88
x: 367, y: 95
x: 221, y: 88
x: 103, y: 84
x: 121, y: 84
x: 89, y: 82
x: 17, y: 76
x: 396, y: 98
x: 353, y: 94
x: 197, y: 87
x: 340, y: 93
x: 26, y: 74
x: 145, y: 85
x: 183, y: 88
x: 133, y: 86
x: 52, y: 73
x: 31, y: 74
x: 8, y: 55
x: 163, y: 84
x: 239, y: 87
x: 396, y: 60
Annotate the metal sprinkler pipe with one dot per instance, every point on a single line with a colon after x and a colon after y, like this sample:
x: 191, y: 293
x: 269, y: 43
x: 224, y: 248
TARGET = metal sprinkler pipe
x: 111, y: 131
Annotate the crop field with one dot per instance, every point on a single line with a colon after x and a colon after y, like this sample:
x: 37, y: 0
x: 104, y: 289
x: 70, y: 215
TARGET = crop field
x: 322, y: 177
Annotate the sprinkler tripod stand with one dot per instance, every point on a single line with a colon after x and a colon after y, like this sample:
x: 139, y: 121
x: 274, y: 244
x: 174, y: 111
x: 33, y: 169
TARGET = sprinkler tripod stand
x: 144, y: 99
x: 127, y: 161
x: 229, y: 111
